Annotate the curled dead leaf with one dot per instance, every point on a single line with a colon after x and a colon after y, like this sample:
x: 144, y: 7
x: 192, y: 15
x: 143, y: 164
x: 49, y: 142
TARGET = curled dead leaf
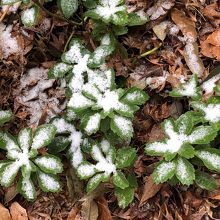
x: 4, y: 213
x: 150, y: 190
x: 18, y: 212
x: 211, y: 46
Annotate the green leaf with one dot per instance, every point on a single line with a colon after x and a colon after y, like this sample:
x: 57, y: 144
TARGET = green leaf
x: 135, y: 96
x: 58, y: 144
x: 120, y: 18
x: 185, y: 171
x: 120, y: 180
x: 26, y: 189
x: 138, y: 18
x: 91, y: 123
x: 217, y: 89
x: 95, y: 181
x: 49, y: 164
x: 202, y: 135
x: 164, y: 171
x: 205, y: 181
x: 68, y: 7
x: 48, y: 182
x: 187, y: 151
x: 184, y: 123
x: 5, y: 116
x: 25, y: 138
x: 92, y: 14
x: 122, y: 126
x: 59, y: 70
x: 124, y: 196
x: 79, y: 102
x: 44, y: 134
x: 29, y: 16
x: 125, y: 157
x: 189, y: 89
x: 27, y: 168
x: 90, y: 3
x: 210, y: 158
x: 8, y: 173
x: 120, y: 30
x: 85, y: 170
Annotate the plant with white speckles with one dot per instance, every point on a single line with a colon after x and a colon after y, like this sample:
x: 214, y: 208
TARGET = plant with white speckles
x: 5, y: 116
x: 185, y: 140
x: 22, y: 154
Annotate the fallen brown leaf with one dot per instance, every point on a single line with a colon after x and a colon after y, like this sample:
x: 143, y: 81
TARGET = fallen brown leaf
x: 89, y: 210
x: 150, y: 190
x: 18, y: 212
x: 104, y: 212
x: 73, y: 213
x: 211, y: 46
x: 4, y: 213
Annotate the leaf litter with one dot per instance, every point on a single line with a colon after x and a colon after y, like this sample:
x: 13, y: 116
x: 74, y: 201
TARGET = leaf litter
x: 35, y: 98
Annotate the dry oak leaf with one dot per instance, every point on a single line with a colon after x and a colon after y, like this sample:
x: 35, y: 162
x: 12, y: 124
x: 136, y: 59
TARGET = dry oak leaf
x: 4, y: 213
x: 150, y: 190
x: 186, y: 25
x: 18, y: 212
x: 211, y: 46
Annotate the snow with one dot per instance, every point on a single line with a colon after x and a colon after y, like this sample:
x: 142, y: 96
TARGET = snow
x: 4, y: 114
x: 209, y: 85
x: 47, y: 162
x: 106, y: 9
x: 78, y: 101
x: 49, y: 182
x: 93, y: 123
x: 29, y: 16
x: 28, y: 188
x: 86, y: 170
x: 211, y: 158
x: 124, y: 124
x: 8, y: 44
x: 105, y: 145
x: 212, y: 111
x: 181, y: 169
x: 24, y: 139
x: 9, y: 172
x: 164, y: 168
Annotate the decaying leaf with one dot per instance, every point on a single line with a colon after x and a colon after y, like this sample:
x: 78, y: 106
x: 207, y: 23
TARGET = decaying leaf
x: 89, y: 210
x: 160, y: 8
x: 211, y: 46
x: 150, y: 190
x: 4, y: 213
x: 18, y: 212
x: 104, y: 212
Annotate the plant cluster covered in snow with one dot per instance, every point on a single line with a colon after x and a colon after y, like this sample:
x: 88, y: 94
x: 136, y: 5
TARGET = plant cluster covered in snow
x: 22, y: 155
x: 94, y: 97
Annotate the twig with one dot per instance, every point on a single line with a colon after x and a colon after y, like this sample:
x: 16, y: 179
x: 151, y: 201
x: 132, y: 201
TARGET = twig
x: 54, y: 15
x: 4, y: 13
x: 149, y: 51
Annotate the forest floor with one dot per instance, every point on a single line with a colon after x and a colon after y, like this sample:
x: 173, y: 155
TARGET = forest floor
x: 163, y: 67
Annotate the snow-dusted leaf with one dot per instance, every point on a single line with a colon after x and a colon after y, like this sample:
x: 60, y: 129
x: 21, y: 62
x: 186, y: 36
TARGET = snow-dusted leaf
x: 205, y: 181
x: 25, y: 138
x: 137, y: 18
x: 10, y: 144
x: 211, y: 110
x: 202, y: 135
x: 5, y: 116
x: 8, y: 2
x: 124, y: 196
x: 91, y: 91
x: 193, y: 61
x: 86, y: 170
x: 125, y: 157
x: 120, y: 180
x: 135, y: 96
x: 58, y: 144
x: 48, y: 182
x: 8, y: 173
x: 49, y: 164
x: 43, y: 136
x: 156, y: 148
x: 122, y: 126
x: 210, y: 157
x: 26, y: 189
x: 184, y: 123
x: 29, y: 16
x: 59, y: 70
x: 185, y: 171
x: 79, y: 102
x: 95, y: 181
x: 68, y: 7
x: 164, y: 171
x: 188, y: 89
x: 91, y: 123
x: 210, y: 85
